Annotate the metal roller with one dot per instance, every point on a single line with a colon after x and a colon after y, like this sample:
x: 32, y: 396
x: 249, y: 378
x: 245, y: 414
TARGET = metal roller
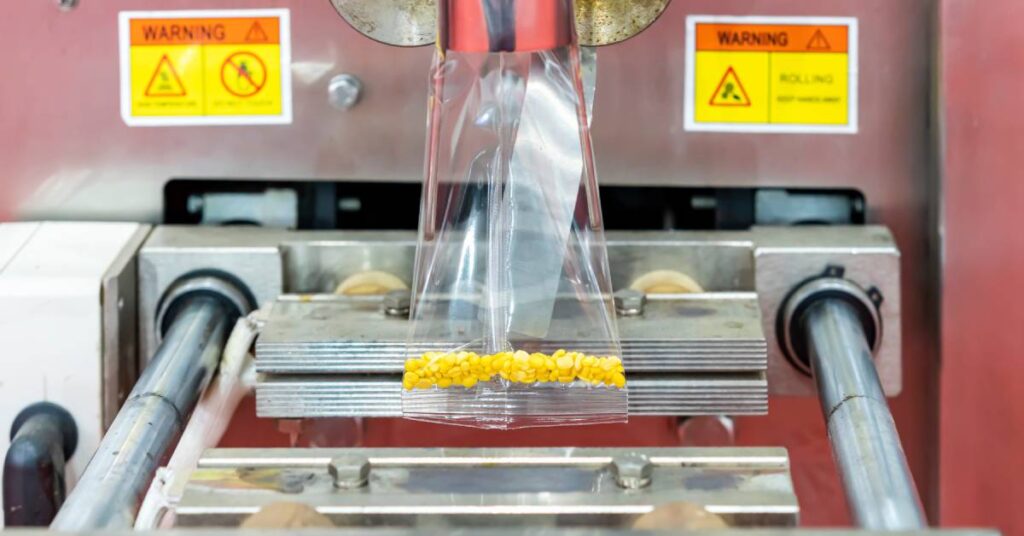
x: 832, y: 326
x: 147, y: 426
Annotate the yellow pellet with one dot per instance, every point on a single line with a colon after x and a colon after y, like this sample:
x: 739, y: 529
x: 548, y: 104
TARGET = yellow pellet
x: 466, y: 369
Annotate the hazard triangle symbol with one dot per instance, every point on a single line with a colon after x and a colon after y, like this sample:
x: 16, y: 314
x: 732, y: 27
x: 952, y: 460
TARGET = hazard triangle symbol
x: 730, y: 91
x: 818, y: 42
x: 165, y: 81
x: 256, y: 33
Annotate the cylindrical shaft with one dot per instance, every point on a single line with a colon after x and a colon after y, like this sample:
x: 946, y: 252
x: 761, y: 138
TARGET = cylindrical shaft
x: 108, y: 494
x: 879, y: 489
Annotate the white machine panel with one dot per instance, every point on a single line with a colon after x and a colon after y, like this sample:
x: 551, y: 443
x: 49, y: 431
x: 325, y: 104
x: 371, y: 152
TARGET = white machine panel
x: 51, y: 321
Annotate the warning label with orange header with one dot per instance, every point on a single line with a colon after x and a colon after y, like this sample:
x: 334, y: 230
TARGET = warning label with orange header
x: 207, y: 67
x: 771, y: 74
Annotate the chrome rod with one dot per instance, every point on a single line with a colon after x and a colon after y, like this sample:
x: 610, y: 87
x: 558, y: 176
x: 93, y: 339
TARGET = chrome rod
x: 109, y: 492
x: 880, y: 491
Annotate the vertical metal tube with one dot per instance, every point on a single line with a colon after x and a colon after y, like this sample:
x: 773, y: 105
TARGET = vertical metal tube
x: 879, y: 488
x: 141, y: 436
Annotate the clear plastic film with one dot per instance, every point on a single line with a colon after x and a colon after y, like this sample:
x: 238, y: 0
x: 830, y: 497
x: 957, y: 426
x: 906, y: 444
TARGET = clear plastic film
x: 512, y: 321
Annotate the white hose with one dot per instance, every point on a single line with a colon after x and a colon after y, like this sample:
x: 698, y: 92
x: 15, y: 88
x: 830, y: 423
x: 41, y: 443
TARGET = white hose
x: 235, y: 379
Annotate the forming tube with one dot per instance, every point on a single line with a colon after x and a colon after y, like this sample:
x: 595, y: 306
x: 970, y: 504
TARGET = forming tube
x: 109, y: 492
x: 879, y: 489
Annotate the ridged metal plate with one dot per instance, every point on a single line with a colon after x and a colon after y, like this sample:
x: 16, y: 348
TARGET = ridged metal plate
x: 353, y: 396
x: 335, y: 335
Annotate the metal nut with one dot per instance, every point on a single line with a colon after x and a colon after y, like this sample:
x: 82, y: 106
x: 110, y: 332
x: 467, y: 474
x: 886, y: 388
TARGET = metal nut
x: 343, y: 91
x: 397, y: 303
x: 349, y: 471
x: 629, y: 302
x: 632, y: 471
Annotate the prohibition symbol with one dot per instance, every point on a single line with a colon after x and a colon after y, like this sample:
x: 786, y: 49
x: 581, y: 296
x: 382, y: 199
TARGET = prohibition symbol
x: 243, y: 74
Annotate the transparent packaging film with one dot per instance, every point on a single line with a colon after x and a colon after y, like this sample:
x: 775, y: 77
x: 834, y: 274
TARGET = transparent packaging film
x: 512, y: 322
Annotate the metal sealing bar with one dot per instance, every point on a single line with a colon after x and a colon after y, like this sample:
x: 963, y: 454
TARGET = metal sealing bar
x: 111, y: 488
x: 880, y: 491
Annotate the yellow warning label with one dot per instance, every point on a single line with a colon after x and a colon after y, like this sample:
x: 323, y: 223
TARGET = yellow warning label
x: 771, y: 74
x: 205, y: 67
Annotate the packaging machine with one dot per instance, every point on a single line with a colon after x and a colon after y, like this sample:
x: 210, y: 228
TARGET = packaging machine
x: 770, y: 295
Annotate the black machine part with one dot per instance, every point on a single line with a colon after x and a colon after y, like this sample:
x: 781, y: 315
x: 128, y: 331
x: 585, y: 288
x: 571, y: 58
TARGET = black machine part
x: 43, y: 438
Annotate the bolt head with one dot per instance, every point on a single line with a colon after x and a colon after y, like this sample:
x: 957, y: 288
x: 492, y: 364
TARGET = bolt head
x: 349, y: 471
x: 632, y: 471
x: 629, y: 302
x: 343, y: 91
x: 397, y: 303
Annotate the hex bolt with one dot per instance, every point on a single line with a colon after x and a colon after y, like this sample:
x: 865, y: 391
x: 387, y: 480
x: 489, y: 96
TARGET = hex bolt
x: 397, y: 303
x: 343, y: 91
x: 629, y: 302
x: 349, y: 471
x: 67, y: 5
x: 632, y: 471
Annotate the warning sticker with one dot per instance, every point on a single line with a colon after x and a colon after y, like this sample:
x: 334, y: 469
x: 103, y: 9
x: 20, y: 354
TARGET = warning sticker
x: 208, y: 67
x: 771, y: 74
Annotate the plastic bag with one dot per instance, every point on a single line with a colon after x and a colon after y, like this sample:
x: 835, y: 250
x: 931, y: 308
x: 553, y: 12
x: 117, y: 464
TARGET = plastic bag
x: 512, y: 320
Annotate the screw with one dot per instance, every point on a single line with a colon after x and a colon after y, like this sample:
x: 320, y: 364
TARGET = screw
x: 67, y: 5
x: 397, y: 303
x: 632, y: 471
x: 629, y: 302
x: 349, y: 471
x: 343, y: 91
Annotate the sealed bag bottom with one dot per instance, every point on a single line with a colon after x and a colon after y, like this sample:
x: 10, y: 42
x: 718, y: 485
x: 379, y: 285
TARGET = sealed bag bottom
x: 514, y: 389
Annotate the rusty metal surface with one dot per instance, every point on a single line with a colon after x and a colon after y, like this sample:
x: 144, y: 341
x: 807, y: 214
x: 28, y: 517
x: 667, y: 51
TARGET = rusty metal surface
x: 982, y: 424
x: 605, y: 22
x: 410, y: 23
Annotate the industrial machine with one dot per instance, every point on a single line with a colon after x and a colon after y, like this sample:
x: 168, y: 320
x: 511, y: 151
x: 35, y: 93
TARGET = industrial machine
x: 240, y: 343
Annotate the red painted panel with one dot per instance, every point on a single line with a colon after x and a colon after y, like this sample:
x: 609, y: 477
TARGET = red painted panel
x: 982, y: 419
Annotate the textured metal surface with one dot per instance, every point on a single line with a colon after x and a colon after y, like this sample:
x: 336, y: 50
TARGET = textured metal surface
x: 381, y: 396
x: 494, y: 487
x: 403, y: 23
x: 409, y: 23
x: 606, y: 22
x: 327, y: 334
